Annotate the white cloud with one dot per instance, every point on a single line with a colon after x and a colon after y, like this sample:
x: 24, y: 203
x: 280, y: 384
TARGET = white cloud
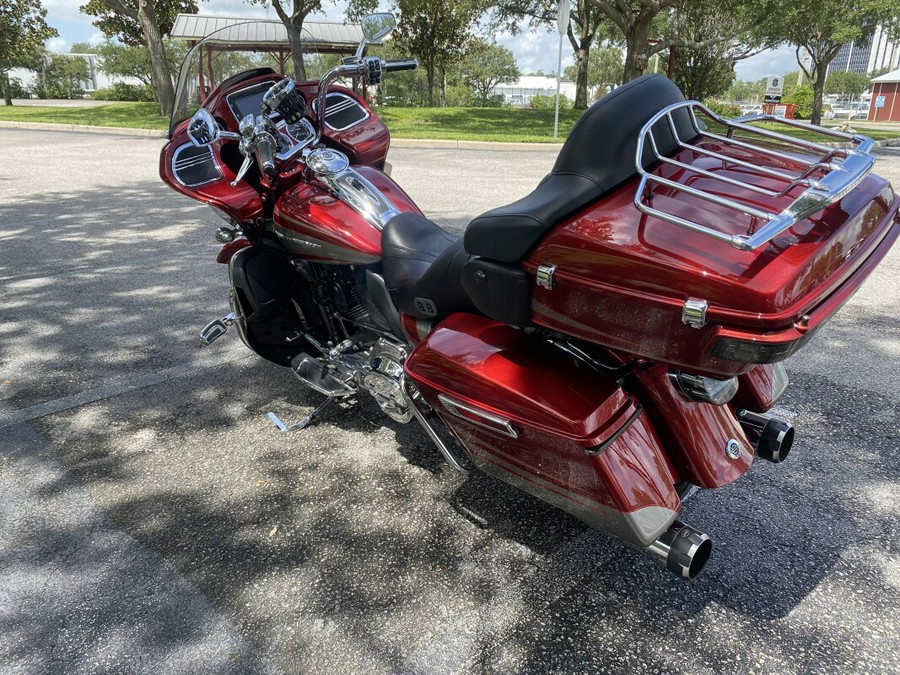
x: 536, y: 50
x: 58, y: 45
x: 770, y: 62
x: 64, y: 10
x: 96, y: 39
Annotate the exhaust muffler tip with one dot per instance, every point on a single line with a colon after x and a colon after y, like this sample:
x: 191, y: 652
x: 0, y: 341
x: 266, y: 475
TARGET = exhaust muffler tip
x: 776, y: 441
x: 771, y: 437
x: 683, y: 549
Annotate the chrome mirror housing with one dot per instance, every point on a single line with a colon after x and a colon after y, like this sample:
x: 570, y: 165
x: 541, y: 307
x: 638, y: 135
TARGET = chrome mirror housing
x: 375, y: 27
x: 202, y: 129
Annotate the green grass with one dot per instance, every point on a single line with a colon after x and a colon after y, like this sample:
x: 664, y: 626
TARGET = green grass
x: 130, y: 115
x: 875, y: 134
x: 509, y: 125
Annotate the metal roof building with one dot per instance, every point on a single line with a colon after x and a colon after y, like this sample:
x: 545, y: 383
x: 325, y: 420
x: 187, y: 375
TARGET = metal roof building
x: 885, y: 103
x: 236, y: 34
x: 253, y: 34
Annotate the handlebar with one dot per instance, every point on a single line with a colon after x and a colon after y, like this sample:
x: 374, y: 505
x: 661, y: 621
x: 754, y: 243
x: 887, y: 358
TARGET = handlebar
x: 265, y: 152
x: 394, y: 65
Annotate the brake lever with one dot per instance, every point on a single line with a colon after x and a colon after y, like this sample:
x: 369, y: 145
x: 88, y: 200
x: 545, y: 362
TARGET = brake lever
x: 245, y: 167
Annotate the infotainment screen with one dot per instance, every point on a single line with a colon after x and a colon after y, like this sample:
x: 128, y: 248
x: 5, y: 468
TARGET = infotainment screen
x: 248, y: 101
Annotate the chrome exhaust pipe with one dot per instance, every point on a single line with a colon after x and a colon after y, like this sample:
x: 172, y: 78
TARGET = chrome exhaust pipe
x: 682, y: 549
x: 772, y: 438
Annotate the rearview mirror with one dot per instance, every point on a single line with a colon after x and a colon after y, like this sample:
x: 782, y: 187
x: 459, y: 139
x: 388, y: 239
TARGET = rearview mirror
x: 376, y: 26
x: 202, y: 129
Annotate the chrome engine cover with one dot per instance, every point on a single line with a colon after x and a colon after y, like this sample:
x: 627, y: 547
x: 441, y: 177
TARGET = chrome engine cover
x: 384, y: 382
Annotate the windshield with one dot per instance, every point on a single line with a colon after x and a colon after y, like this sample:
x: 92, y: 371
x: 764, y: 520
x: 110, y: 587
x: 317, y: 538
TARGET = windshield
x: 233, y: 49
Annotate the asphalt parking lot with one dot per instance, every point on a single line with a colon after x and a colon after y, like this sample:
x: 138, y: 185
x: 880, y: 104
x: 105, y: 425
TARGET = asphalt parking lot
x: 152, y: 520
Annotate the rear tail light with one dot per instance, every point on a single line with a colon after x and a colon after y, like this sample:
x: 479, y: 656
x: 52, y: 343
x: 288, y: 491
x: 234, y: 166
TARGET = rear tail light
x: 751, y: 351
x: 705, y: 389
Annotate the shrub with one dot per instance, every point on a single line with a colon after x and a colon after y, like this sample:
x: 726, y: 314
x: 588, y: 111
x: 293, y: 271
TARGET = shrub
x: 120, y: 91
x: 802, y: 97
x: 726, y: 110
x: 549, y: 102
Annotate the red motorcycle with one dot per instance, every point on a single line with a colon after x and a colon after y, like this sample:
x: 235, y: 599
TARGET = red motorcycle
x: 609, y: 343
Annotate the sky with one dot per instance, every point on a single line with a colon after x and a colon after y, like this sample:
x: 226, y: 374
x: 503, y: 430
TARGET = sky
x: 534, y: 50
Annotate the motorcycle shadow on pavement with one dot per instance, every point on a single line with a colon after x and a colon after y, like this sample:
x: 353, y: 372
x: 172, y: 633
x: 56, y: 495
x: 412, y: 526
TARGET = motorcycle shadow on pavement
x: 351, y: 542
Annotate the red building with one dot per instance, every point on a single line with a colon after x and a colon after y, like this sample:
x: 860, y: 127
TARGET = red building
x: 885, y: 104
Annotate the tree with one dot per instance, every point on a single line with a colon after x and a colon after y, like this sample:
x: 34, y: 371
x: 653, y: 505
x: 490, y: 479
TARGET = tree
x: 144, y: 22
x: 62, y: 76
x: 485, y: 67
x: 126, y: 61
x: 821, y: 29
x: 641, y: 20
x: 23, y: 30
x: 438, y: 33
x: 586, y: 22
x: 293, y: 19
x: 604, y: 69
x: 846, y: 83
x: 702, y: 72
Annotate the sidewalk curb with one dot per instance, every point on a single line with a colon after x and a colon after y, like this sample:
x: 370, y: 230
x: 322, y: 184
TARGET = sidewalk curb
x: 421, y: 143
x: 83, y: 128
x: 433, y: 143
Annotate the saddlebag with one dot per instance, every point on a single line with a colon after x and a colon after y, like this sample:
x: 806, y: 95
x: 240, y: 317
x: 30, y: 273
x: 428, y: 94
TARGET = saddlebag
x: 537, y: 418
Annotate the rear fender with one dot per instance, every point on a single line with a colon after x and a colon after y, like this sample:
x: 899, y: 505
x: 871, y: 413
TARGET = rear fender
x: 705, y: 442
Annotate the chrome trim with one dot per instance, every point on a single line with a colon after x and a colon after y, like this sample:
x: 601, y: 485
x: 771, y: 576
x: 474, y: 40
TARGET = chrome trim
x: 491, y: 421
x: 693, y: 312
x: 193, y: 162
x: 545, y: 276
x: 780, y: 381
x: 733, y: 449
x: 297, y: 144
x: 597, y: 449
x: 327, y: 162
x: 413, y: 396
x: 359, y: 194
x: 705, y: 389
x: 841, y: 177
x: 349, y: 102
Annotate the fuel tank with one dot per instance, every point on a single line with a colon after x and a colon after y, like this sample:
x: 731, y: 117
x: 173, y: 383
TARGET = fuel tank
x: 625, y: 280
x: 313, y: 223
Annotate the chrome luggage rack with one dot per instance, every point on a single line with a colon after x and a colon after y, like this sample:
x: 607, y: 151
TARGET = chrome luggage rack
x: 840, y: 177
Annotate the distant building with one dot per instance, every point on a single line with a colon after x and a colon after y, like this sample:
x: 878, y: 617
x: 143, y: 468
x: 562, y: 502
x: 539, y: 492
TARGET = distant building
x: 521, y: 92
x: 885, y: 103
x: 874, y: 53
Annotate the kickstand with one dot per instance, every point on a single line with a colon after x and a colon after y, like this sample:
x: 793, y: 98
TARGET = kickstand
x: 306, y: 421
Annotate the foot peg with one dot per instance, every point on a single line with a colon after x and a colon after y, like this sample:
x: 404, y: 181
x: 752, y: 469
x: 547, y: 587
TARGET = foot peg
x: 303, y: 423
x: 216, y: 329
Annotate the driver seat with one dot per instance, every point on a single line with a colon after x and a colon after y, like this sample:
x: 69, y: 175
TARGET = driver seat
x: 422, y: 267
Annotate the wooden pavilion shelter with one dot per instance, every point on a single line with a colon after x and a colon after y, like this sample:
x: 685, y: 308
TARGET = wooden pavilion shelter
x: 259, y: 35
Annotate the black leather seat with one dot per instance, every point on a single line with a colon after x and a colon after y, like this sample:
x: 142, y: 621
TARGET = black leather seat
x: 598, y: 155
x: 421, y: 265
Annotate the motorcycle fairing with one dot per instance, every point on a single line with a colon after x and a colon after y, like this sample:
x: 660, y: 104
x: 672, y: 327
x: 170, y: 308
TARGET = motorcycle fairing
x: 535, y: 417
